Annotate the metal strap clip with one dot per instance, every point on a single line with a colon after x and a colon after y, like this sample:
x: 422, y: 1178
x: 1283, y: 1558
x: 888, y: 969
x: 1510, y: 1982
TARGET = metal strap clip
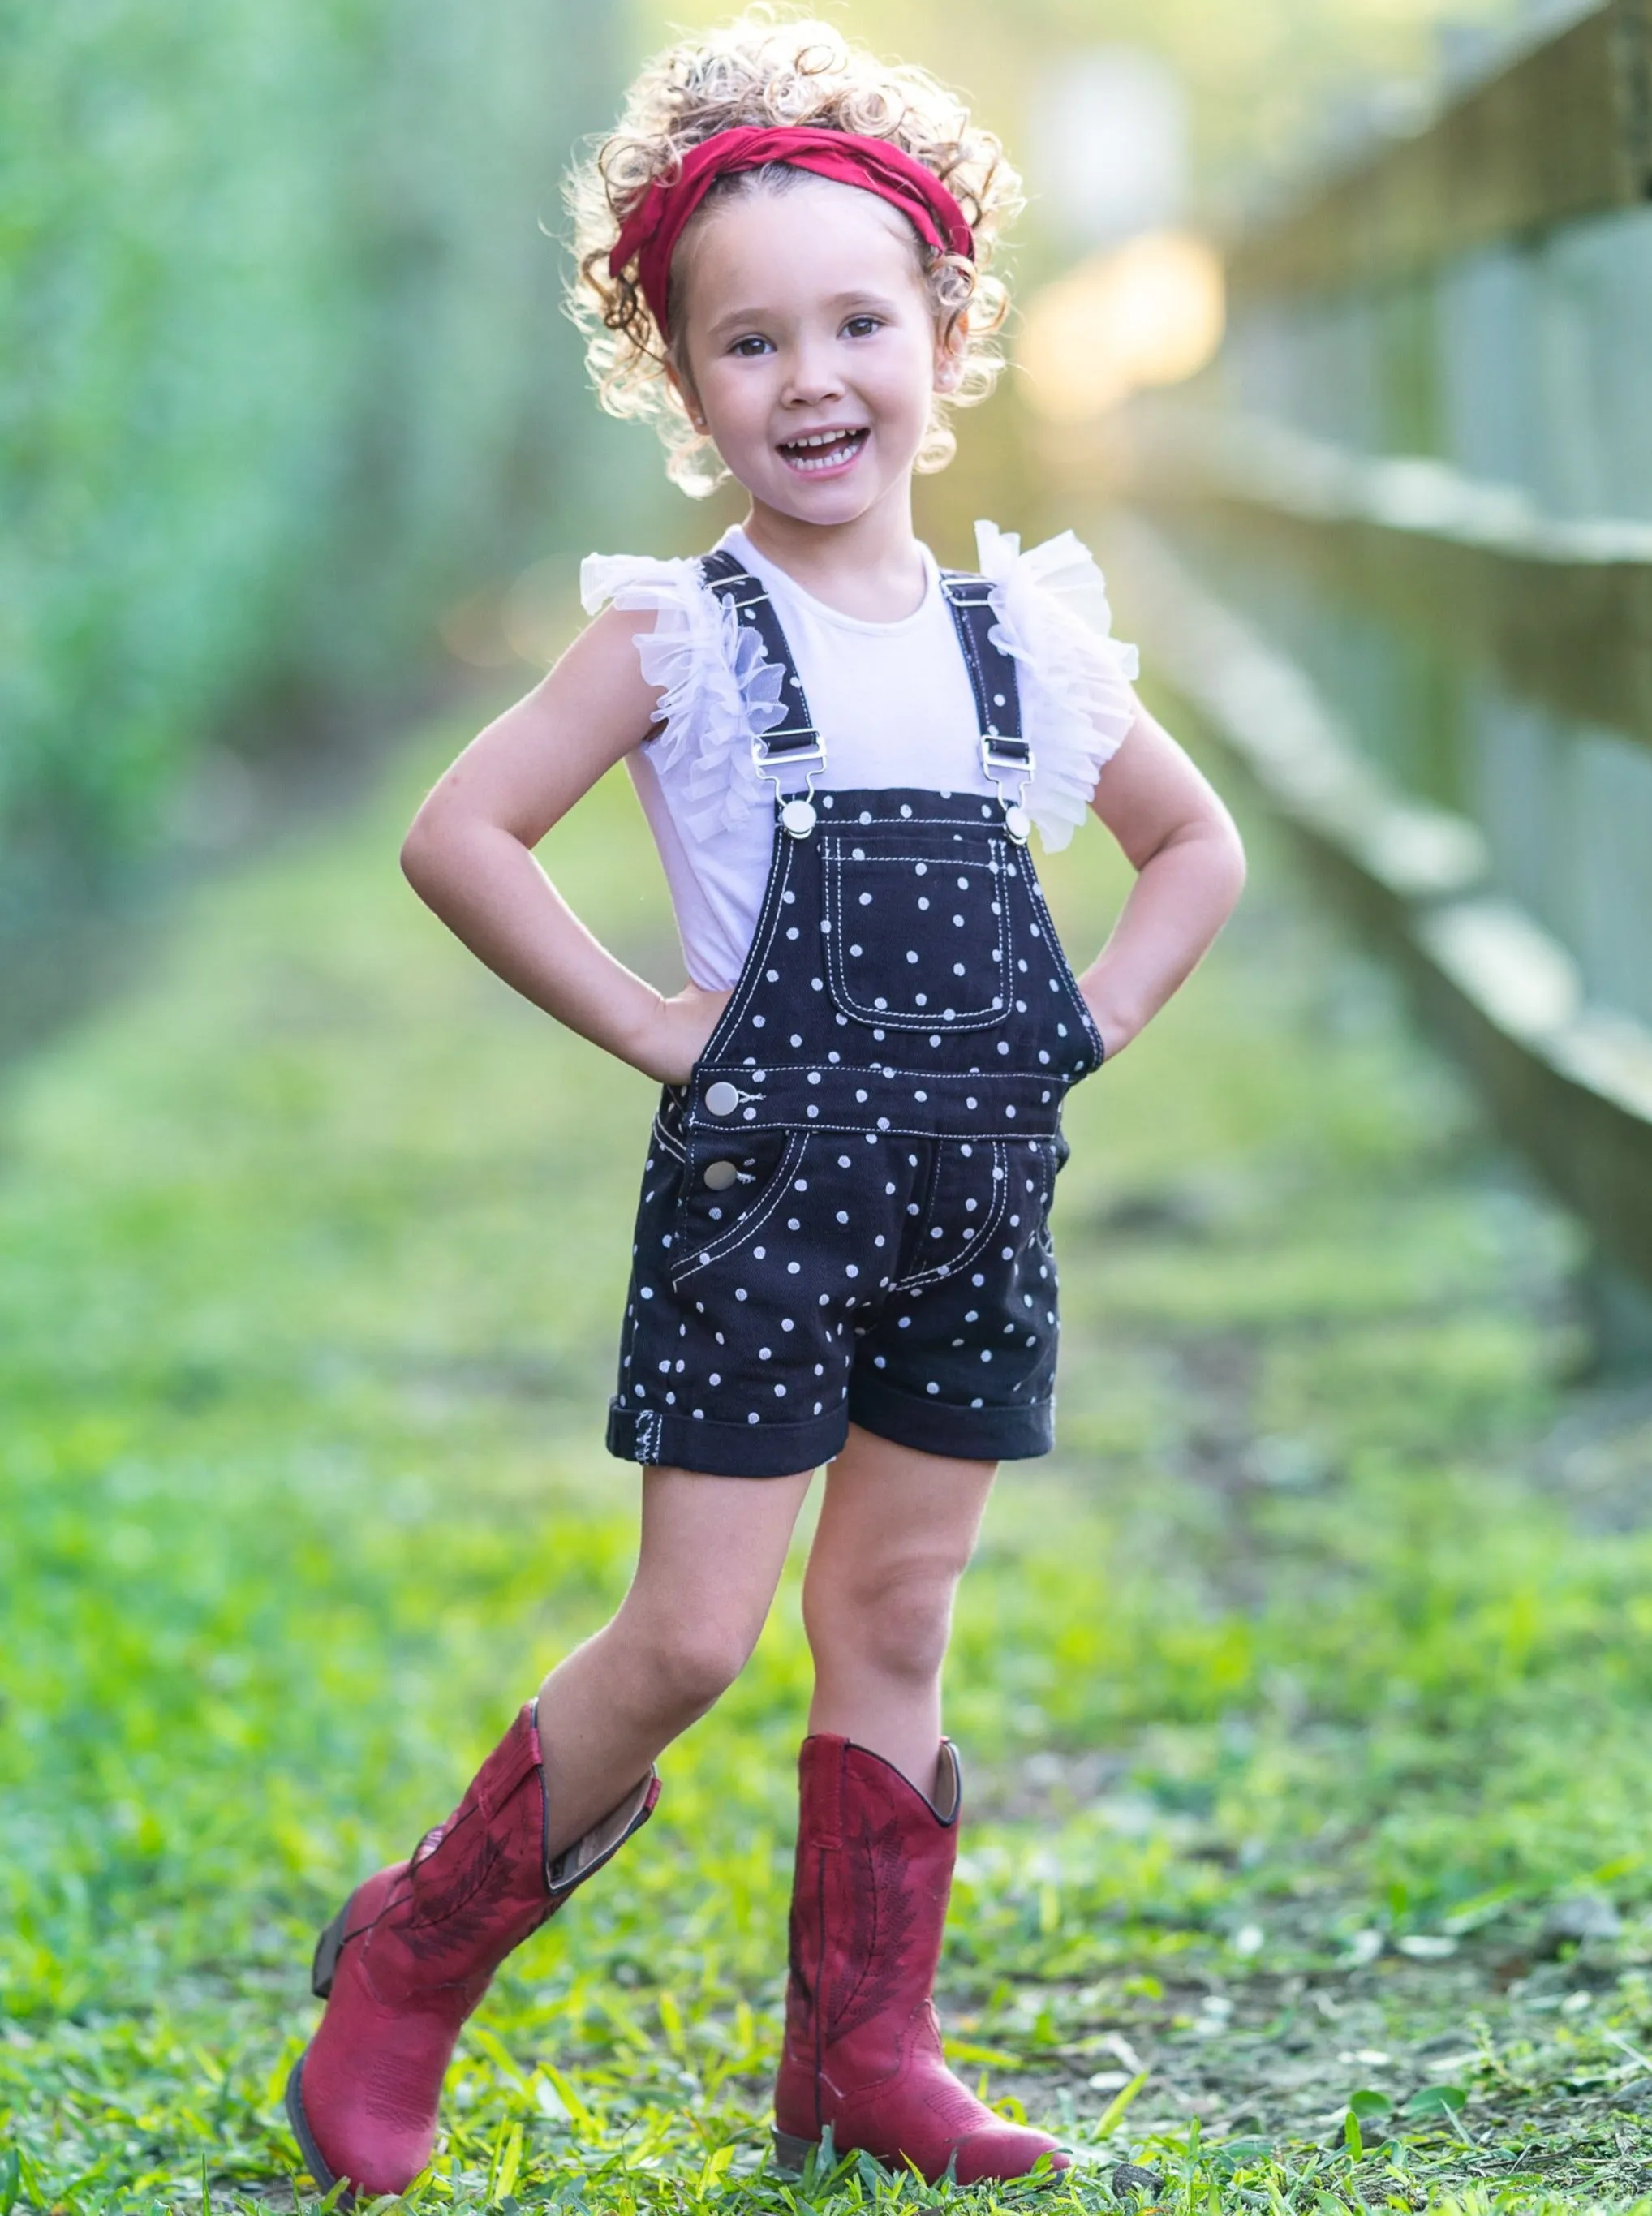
x: 797, y: 809
x: 1003, y: 757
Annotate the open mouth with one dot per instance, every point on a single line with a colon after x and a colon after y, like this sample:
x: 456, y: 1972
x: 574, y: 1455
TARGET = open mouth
x: 824, y: 450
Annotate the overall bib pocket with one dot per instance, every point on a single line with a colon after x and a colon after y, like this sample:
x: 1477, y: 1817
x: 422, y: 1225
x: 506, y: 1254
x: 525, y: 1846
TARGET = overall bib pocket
x: 917, y: 929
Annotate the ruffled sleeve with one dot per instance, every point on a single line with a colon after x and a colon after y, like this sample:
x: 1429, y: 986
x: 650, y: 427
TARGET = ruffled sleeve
x: 717, y: 692
x: 1076, y: 704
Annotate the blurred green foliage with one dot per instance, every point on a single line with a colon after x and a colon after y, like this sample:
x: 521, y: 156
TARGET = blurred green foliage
x: 1269, y: 84
x: 285, y: 368
x: 285, y: 373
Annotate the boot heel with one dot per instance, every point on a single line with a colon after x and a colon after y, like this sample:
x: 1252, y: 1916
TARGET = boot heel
x: 325, y: 1964
x: 792, y: 2155
x: 314, y: 2160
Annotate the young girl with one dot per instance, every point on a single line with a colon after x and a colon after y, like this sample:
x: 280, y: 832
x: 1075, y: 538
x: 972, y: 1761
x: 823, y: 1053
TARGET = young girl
x: 842, y: 1254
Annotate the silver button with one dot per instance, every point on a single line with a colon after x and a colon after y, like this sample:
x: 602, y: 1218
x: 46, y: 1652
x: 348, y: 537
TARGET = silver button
x: 1018, y: 823
x: 719, y: 1176
x: 722, y: 1099
x: 798, y: 817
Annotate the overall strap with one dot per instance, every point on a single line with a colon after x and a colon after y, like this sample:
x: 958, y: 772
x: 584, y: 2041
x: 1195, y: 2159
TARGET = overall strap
x: 795, y: 746
x: 1004, y: 752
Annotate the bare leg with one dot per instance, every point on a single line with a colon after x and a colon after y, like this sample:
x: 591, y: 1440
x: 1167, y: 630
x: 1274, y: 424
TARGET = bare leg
x: 711, y: 1556
x: 897, y: 1531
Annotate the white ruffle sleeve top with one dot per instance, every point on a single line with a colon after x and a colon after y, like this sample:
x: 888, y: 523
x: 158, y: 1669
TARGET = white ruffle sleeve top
x: 891, y: 702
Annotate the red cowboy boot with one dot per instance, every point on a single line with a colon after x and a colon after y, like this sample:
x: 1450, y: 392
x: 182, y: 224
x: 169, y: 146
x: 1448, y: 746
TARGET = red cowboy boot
x: 862, y: 2051
x: 411, y: 1954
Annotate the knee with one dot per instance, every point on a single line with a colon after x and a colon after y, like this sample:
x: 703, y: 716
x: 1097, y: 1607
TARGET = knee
x: 686, y: 1667
x: 894, y: 1616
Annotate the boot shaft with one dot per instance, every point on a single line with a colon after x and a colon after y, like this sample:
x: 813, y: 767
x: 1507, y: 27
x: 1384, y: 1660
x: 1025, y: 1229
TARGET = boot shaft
x: 874, y: 1874
x: 478, y: 1885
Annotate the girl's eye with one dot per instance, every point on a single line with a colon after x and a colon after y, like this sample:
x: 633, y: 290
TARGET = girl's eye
x: 750, y: 346
x: 861, y: 326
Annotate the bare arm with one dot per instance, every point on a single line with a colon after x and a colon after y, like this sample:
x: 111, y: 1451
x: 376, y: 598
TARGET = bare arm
x: 1190, y: 871
x: 469, y: 854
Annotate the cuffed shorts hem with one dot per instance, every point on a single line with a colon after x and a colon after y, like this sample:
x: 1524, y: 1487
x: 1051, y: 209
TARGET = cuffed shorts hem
x: 940, y: 1427
x: 657, y: 1437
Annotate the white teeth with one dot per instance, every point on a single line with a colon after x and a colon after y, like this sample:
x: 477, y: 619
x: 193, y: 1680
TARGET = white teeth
x: 836, y: 441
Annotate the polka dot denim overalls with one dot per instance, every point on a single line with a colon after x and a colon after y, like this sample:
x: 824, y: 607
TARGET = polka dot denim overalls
x: 844, y: 1210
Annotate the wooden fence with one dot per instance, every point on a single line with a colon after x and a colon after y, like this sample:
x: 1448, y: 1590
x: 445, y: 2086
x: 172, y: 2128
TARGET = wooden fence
x: 1398, y: 553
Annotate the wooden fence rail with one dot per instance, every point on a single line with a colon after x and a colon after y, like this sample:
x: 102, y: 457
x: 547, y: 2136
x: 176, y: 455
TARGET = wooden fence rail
x: 1409, y: 520
x: 1565, y: 131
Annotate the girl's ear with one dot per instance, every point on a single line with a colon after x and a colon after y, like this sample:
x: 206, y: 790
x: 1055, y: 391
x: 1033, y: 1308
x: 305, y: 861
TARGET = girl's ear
x: 949, y: 354
x: 685, y: 393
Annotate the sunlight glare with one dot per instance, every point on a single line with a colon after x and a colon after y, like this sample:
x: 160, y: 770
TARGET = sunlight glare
x: 1148, y: 313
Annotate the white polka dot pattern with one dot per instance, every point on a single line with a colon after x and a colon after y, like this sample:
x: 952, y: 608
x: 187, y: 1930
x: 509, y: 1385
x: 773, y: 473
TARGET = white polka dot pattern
x: 857, y: 1230
x: 872, y: 1243
x: 842, y: 1305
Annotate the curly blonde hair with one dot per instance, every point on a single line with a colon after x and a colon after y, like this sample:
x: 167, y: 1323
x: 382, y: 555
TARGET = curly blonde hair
x: 766, y: 70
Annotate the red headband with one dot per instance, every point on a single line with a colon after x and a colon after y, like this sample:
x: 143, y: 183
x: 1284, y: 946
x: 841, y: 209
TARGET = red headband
x: 652, y: 229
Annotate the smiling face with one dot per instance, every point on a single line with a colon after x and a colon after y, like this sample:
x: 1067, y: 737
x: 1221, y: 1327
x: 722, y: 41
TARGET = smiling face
x: 808, y: 348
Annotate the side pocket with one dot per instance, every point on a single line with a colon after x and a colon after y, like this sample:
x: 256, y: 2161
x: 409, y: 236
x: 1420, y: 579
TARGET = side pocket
x: 666, y: 1136
x: 967, y: 1201
x: 733, y: 1182
x: 1053, y: 1154
x: 661, y: 1197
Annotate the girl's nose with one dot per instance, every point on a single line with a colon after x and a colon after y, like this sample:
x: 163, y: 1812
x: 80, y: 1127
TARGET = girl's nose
x: 811, y: 378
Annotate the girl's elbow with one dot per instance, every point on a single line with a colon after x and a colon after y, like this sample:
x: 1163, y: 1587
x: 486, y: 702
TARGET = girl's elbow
x: 1233, y: 847
x: 1224, y: 849
x: 420, y: 852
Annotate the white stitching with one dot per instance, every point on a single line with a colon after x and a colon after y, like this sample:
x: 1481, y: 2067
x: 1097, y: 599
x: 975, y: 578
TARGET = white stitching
x: 985, y: 826
x: 835, y: 841
x: 1064, y: 970
x: 907, y: 1131
x: 842, y: 1071
x: 918, y: 1020
x: 650, y: 1433
x: 763, y: 938
x: 663, y: 1140
x: 967, y: 1254
x: 730, y: 1242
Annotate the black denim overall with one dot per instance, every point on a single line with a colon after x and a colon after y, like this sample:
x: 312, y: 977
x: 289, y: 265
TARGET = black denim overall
x: 844, y: 1210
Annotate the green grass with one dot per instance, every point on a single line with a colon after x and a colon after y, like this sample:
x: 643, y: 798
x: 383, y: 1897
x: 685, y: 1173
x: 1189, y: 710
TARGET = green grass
x: 1302, y: 1693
